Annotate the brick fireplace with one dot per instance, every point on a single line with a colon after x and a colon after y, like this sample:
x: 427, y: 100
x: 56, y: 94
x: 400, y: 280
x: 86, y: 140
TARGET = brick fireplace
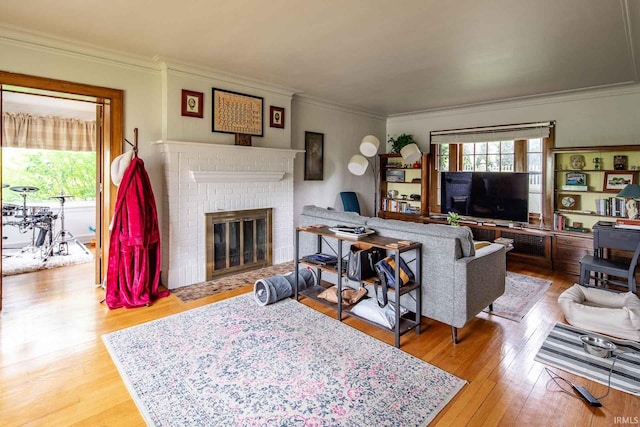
x: 202, y: 178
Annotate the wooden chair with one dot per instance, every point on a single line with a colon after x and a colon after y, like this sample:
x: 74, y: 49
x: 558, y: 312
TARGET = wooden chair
x: 601, y: 266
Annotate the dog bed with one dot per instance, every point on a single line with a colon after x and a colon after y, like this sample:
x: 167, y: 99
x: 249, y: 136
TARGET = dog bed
x: 599, y: 310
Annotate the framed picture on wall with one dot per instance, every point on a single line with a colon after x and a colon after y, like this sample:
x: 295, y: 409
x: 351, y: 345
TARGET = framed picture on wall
x: 192, y: 103
x: 313, y: 156
x: 235, y: 112
x: 276, y: 117
x: 616, y: 181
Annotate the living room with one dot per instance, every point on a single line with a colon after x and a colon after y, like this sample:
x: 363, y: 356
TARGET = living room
x: 595, y: 108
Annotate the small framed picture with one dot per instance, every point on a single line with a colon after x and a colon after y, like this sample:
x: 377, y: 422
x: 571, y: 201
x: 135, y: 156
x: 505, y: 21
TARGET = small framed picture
x: 620, y: 163
x: 192, y: 103
x: 276, y: 117
x: 395, y: 176
x: 576, y: 178
x: 616, y: 181
x: 568, y: 201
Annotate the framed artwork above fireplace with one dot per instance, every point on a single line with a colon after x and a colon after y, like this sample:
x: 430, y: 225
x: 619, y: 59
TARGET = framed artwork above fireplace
x: 237, y: 113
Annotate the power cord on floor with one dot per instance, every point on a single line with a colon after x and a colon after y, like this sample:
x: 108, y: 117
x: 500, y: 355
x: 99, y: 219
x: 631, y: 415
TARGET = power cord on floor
x: 555, y: 377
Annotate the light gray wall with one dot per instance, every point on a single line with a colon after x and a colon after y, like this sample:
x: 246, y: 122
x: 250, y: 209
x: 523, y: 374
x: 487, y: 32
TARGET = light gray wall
x: 343, y: 131
x: 597, y: 117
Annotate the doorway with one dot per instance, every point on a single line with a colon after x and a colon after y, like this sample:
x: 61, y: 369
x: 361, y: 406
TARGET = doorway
x: 108, y: 145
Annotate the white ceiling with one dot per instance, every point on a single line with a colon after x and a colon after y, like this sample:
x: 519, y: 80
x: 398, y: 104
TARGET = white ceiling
x: 388, y: 57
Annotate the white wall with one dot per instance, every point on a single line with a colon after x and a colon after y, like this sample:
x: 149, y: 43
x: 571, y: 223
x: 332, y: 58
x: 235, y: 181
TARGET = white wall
x: 343, y: 131
x: 598, y: 117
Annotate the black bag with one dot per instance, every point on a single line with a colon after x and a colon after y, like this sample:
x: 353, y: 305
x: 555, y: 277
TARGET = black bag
x: 385, y: 270
x: 361, y: 261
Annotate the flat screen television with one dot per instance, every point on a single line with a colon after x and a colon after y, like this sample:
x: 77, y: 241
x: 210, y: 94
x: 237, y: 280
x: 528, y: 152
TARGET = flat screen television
x: 493, y: 195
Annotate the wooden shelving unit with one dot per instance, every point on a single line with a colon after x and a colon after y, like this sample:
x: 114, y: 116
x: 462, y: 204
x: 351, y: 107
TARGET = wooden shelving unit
x: 414, y: 181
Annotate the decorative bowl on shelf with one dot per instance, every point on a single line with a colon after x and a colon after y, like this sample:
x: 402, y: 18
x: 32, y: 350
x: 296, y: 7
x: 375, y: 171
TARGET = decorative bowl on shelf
x: 392, y: 193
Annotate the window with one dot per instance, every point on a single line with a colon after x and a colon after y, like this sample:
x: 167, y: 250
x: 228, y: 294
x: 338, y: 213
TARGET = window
x: 502, y: 148
x: 534, y: 167
x: 497, y: 156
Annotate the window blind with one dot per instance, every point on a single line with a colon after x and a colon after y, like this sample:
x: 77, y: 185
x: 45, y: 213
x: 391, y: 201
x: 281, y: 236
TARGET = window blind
x: 493, y: 133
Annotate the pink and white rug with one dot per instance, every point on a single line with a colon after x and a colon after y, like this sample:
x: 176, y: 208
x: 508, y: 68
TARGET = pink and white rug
x: 235, y: 363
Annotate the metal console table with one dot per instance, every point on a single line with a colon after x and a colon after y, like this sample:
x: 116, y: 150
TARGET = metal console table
x: 403, y: 324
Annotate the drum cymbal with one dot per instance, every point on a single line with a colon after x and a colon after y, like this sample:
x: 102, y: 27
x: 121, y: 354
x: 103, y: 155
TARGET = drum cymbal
x: 62, y: 196
x: 5, y: 185
x: 24, y: 189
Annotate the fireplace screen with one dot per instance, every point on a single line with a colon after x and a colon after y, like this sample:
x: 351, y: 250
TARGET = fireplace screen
x: 237, y: 241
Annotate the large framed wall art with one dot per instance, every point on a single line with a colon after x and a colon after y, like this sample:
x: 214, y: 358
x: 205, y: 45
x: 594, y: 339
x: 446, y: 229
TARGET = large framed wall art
x: 237, y: 113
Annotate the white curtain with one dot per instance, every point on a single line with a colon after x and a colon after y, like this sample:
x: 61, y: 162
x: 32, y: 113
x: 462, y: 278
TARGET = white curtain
x: 22, y: 130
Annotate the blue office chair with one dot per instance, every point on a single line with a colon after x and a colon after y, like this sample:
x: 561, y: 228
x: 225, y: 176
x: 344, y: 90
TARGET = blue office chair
x: 350, y: 201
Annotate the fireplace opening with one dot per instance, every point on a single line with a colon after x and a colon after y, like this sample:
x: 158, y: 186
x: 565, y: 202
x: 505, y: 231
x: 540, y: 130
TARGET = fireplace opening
x: 237, y: 241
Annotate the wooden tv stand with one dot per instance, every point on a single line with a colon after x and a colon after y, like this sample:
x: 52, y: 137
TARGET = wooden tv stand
x: 557, y: 250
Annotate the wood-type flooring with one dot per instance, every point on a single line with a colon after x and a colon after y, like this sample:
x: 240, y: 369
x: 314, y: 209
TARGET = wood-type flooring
x: 55, y: 369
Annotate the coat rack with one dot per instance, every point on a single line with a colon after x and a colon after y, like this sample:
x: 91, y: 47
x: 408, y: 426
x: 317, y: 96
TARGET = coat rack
x: 135, y: 142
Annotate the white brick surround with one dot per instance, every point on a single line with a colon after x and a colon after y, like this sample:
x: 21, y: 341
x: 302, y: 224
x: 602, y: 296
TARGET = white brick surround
x: 256, y: 178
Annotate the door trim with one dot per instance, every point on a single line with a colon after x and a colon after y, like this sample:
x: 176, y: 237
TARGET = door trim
x: 112, y: 137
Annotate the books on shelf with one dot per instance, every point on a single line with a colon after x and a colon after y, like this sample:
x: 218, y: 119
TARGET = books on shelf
x: 577, y: 229
x: 399, y: 205
x: 612, y: 206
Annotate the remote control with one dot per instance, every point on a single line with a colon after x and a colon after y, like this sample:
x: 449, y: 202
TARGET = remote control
x: 584, y: 393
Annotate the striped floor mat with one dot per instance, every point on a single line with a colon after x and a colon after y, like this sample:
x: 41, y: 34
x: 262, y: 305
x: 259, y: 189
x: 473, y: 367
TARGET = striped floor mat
x: 563, y: 349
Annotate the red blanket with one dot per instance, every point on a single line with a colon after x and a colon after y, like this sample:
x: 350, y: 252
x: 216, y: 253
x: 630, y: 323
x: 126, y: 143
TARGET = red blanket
x: 133, y: 273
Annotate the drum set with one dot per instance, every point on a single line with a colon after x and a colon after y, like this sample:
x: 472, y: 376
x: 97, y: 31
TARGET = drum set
x: 40, y: 221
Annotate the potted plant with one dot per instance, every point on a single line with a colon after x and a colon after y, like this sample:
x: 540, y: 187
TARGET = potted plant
x: 453, y: 219
x: 400, y: 141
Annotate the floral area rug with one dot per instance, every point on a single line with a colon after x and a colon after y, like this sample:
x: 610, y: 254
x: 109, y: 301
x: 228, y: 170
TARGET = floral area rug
x: 235, y: 363
x: 211, y: 287
x: 521, y: 293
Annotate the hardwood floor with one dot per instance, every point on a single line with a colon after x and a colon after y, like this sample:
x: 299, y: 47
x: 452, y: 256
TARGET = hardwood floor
x: 55, y: 370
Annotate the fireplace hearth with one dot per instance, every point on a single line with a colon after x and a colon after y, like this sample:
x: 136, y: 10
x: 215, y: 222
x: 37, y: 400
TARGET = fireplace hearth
x: 237, y: 241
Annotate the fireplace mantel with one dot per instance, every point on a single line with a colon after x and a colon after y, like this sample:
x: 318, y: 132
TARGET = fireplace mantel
x: 244, y: 176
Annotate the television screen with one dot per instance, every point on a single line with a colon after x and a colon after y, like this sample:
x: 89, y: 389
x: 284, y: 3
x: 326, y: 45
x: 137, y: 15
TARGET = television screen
x: 493, y: 195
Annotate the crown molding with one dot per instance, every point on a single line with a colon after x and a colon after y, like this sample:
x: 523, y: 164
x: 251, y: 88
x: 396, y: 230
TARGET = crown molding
x: 319, y: 102
x: 542, y: 99
x: 49, y: 43
x: 174, y: 66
